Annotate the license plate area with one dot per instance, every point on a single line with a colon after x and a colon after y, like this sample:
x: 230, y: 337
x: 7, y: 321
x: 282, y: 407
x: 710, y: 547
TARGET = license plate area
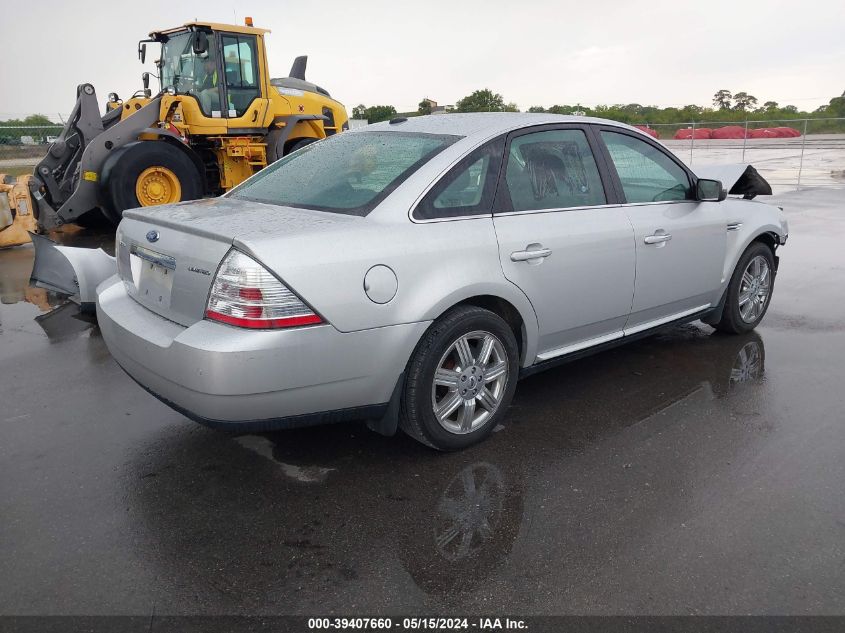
x: 152, y: 275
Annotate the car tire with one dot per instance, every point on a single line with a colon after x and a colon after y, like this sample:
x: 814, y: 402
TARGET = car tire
x: 750, y: 290
x: 448, y: 402
x: 137, y: 164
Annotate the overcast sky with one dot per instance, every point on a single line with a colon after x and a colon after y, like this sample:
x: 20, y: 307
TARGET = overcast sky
x: 533, y: 52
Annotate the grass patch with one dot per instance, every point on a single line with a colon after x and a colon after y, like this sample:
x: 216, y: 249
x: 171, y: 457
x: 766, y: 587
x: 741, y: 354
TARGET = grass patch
x: 23, y: 170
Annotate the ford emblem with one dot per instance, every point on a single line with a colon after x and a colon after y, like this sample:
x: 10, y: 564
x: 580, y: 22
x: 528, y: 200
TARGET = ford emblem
x: 152, y: 236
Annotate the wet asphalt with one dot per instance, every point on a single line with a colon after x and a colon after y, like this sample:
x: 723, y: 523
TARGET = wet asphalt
x: 688, y: 473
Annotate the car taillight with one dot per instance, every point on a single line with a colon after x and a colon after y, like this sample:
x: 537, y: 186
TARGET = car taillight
x: 244, y: 293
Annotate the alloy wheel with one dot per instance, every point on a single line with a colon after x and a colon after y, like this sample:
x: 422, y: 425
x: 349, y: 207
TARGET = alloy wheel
x: 754, y: 289
x: 470, y: 382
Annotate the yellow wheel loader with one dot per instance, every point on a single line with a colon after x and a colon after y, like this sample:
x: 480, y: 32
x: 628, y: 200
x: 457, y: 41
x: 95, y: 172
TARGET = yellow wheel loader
x: 217, y: 119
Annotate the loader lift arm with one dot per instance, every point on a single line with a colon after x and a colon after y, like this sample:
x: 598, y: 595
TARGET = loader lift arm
x: 66, y: 182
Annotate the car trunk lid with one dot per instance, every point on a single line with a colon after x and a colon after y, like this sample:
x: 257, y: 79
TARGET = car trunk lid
x: 168, y: 256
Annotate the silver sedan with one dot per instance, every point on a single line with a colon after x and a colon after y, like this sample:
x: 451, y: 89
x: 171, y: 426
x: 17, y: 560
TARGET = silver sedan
x: 411, y: 272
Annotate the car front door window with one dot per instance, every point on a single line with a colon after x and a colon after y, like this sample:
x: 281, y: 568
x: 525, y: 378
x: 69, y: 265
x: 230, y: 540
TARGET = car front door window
x: 647, y: 174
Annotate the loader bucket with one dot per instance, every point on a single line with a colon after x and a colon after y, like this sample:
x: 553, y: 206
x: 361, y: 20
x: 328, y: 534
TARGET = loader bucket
x: 75, y: 272
x: 6, y: 217
x: 17, y: 216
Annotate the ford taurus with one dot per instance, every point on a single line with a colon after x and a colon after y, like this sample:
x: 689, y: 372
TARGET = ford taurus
x: 411, y: 272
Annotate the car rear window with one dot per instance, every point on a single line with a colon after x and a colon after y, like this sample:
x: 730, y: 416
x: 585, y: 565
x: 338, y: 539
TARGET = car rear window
x: 347, y: 173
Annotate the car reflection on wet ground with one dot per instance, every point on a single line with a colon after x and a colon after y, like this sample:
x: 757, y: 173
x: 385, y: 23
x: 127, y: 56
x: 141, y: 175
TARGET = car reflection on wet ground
x: 690, y: 472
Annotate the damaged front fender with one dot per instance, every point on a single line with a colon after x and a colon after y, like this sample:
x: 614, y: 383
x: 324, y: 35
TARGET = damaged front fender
x: 75, y: 272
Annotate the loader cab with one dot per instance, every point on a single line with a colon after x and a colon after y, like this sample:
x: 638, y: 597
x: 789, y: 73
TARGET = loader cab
x: 221, y: 69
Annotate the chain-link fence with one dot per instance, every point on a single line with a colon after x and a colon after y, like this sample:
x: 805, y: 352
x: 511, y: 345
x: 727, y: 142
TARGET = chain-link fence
x: 789, y: 153
x: 22, y: 147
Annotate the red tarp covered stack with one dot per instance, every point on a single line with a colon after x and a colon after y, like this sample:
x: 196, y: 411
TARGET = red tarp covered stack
x: 729, y: 131
x: 648, y: 130
x: 732, y: 132
x: 774, y: 132
x: 736, y: 131
x: 687, y: 133
x: 763, y: 132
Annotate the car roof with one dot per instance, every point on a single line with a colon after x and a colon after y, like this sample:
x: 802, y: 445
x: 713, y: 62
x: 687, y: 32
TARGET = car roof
x: 482, y: 124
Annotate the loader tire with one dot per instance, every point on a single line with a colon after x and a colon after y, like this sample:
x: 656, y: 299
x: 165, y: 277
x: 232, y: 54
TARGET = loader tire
x: 299, y: 143
x: 276, y: 148
x: 148, y: 173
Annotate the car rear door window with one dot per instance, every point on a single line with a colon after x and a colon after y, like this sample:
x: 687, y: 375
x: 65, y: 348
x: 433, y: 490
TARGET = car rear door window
x: 647, y: 174
x: 467, y: 189
x: 552, y: 169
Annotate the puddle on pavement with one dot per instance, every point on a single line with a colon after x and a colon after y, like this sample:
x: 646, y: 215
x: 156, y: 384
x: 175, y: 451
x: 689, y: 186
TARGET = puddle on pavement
x: 372, y: 506
x: 25, y: 309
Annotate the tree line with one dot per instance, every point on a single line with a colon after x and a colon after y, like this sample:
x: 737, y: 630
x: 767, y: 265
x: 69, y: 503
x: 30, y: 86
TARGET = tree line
x: 727, y: 107
x: 33, y: 120
x: 27, y: 130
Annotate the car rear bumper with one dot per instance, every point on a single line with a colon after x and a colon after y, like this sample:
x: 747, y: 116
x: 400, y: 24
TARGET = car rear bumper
x: 255, y: 380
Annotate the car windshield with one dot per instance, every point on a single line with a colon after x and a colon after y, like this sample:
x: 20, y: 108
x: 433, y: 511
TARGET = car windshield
x: 348, y: 173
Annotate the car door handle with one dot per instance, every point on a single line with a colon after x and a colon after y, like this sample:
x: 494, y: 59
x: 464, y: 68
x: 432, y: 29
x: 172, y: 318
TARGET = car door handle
x: 524, y: 256
x: 657, y: 238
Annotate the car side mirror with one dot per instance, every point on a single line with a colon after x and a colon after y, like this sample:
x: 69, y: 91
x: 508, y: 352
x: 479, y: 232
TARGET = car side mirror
x: 710, y: 190
x: 200, y: 43
x: 142, y: 52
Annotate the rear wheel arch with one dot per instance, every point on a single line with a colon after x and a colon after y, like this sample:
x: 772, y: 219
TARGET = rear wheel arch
x: 504, y: 309
x: 499, y: 306
x: 418, y: 407
x: 519, y: 315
